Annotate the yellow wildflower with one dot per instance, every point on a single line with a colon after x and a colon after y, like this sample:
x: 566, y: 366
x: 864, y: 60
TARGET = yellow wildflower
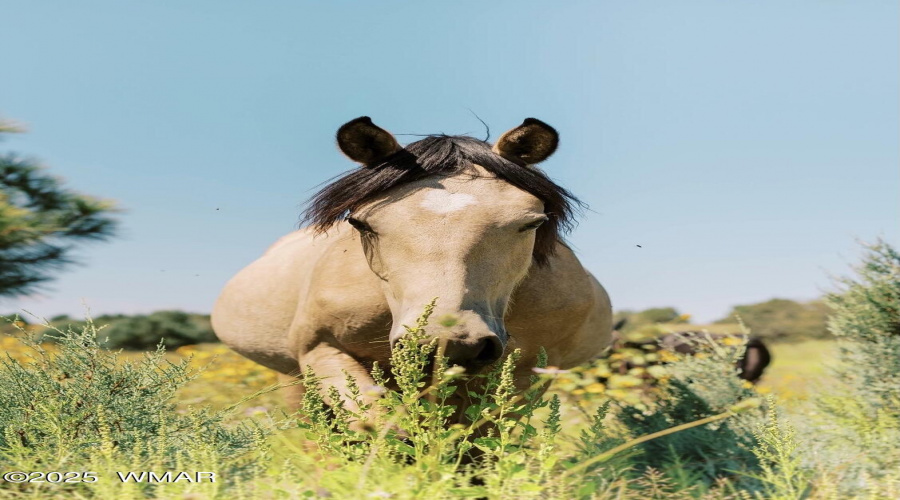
x: 667, y: 356
x: 595, y: 388
x: 624, y: 381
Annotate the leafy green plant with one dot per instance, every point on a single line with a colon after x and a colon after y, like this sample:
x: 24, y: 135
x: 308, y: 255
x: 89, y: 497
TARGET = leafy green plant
x: 40, y: 222
x: 498, y: 451
x: 697, y: 387
x: 781, y: 471
x: 414, y: 424
x: 75, y: 406
x: 863, y: 409
x: 866, y: 318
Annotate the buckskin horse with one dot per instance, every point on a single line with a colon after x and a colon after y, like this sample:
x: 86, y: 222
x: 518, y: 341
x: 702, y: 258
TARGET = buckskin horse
x: 477, y: 226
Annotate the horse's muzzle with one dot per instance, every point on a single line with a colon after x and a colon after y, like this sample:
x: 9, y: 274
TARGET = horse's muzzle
x: 469, y: 352
x: 475, y: 353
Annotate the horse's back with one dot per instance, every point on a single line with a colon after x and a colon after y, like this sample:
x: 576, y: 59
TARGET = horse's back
x: 256, y: 308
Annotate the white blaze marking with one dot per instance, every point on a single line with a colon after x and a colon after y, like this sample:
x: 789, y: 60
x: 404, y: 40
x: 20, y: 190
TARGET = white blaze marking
x: 443, y: 202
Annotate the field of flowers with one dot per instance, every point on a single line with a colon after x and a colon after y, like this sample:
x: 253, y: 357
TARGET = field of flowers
x: 797, y: 371
x: 223, y: 377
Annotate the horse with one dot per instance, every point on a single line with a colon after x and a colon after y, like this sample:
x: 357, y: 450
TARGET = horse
x: 478, y: 226
x: 750, y: 365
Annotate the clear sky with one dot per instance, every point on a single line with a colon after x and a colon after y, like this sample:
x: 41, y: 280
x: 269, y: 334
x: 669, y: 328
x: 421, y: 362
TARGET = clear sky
x: 744, y: 146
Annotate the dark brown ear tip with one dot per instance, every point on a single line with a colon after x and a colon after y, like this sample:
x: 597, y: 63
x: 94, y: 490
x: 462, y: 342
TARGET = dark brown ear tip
x: 365, y: 120
x: 535, y: 121
x: 364, y: 142
x: 351, y: 125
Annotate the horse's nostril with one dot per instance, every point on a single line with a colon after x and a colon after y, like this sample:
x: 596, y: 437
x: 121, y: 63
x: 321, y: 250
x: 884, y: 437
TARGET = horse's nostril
x: 473, y: 355
x: 490, y: 352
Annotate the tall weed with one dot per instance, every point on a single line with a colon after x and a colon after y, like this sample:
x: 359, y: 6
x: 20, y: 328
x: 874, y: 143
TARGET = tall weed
x: 78, y: 407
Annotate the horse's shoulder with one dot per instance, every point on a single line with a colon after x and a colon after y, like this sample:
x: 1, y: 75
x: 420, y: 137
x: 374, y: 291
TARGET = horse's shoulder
x: 340, y: 280
x: 563, y: 308
x: 561, y: 283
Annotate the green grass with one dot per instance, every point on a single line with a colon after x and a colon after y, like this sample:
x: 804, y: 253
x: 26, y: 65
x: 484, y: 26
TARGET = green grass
x: 799, y: 371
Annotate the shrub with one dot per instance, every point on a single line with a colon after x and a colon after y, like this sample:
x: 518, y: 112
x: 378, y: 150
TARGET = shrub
x: 78, y: 407
x: 697, y: 387
x: 783, y: 319
x: 781, y: 470
x: 866, y: 319
x: 176, y: 328
x: 864, y: 408
x: 144, y: 332
x: 413, y: 435
x: 642, y: 319
x: 515, y: 456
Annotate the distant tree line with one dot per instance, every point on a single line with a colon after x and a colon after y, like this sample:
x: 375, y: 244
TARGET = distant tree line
x: 137, y: 332
x: 634, y: 321
x: 775, y: 320
x: 783, y: 319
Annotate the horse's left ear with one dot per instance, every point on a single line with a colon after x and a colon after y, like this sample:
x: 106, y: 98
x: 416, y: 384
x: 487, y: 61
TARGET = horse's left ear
x: 364, y: 142
x: 531, y: 142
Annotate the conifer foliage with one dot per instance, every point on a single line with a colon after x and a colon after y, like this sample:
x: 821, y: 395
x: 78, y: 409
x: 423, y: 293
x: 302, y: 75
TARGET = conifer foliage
x: 40, y: 221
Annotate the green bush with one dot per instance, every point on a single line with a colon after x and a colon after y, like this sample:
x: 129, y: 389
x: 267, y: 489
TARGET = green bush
x: 641, y: 319
x: 145, y: 332
x: 698, y: 386
x: 78, y: 407
x: 864, y: 409
x: 782, y: 319
x: 176, y: 328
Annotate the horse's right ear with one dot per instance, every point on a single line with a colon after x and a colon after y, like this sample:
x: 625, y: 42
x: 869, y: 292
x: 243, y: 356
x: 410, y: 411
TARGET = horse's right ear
x: 364, y: 142
x: 531, y: 142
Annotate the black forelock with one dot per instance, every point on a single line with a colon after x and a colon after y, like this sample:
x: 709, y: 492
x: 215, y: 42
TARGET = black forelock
x: 444, y: 154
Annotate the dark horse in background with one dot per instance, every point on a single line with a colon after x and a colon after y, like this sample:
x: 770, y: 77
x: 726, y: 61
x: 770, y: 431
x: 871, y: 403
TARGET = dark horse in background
x: 750, y: 365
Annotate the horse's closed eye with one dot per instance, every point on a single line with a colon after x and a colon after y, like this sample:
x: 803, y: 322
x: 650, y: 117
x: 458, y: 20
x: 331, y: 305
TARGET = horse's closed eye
x: 359, y: 225
x: 532, y: 225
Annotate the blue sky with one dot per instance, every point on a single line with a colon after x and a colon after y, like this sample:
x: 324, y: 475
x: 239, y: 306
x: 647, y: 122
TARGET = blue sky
x: 744, y: 146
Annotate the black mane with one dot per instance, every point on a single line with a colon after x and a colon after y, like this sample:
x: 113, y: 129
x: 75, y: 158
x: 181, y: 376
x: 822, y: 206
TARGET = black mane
x: 444, y: 154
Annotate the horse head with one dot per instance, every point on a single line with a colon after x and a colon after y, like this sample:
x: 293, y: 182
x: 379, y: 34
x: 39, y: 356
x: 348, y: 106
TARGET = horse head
x: 450, y: 217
